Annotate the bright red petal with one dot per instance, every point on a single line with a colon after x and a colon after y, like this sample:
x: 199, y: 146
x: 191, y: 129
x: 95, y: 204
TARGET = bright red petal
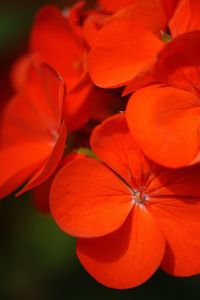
x: 113, y: 144
x: 127, y: 257
x: 122, y: 50
x: 170, y: 6
x: 59, y: 46
x: 178, y: 63
x: 146, y: 7
x: 31, y: 123
x: 50, y: 165
x: 91, y: 26
x: 145, y: 78
x: 85, y: 195
x: 35, y: 113
x: 20, y: 71
x: 128, y: 43
x: 41, y: 193
x: 186, y: 17
x: 18, y: 163
x: 174, y: 202
x: 165, y: 123
x: 176, y: 205
x: 149, y: 14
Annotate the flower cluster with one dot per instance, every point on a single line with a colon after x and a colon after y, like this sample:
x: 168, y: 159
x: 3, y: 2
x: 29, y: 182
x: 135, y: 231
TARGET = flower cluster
x: 104, y: 129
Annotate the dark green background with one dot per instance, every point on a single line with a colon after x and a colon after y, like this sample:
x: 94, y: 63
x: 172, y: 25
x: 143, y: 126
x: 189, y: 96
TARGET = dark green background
x: 37, y: 260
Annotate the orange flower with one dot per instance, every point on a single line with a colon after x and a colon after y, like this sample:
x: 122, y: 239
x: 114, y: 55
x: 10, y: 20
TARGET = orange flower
x: 126, y: 47
x: 33, y: 134
x: 62, y: 42
x: 131, y: 215
x: 165, y: 119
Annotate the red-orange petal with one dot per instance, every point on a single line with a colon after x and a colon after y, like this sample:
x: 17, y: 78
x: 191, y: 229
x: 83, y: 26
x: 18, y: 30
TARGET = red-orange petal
x: 33, y: 119
x: 165, y: 123
x: 18, y: 163
x: 178, y: 219
x: 127, y: 257
x: 149, y: 14
x: 174, y: 201
x: 20, y: 71
x: 50, y: 165
x: 41, y: 193
x: 113, y: 144
x: 144, y: 78
x: 170, y: 6
x: 35, y: 113
x: 85, y: 195
x: 186, y: 17
x: 91, y: 26
x: 178, y: 63
x: 59, y: 46
x: 122, y: 50
x: 147, y: 7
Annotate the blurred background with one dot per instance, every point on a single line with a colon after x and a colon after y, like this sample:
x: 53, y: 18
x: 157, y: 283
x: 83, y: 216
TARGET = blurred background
x: 37, y: 260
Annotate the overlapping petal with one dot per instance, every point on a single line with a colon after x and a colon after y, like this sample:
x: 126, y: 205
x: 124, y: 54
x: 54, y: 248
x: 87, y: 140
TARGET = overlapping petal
x: 165, y: 123
x: 178, y: 63
x: 127, y: 257
x: 31, y: 132
x: 113, y: 144
x: 54, y: 39
x: 122, y: 49
x: 170, y: 6
x: 99, y: 196
x: 127, y: 44
x: 40, y: 194
x: 174, y: 202
x: 18, y: 163
x: 35, y: 112
x: 186, y: 17
x: 50, y: 165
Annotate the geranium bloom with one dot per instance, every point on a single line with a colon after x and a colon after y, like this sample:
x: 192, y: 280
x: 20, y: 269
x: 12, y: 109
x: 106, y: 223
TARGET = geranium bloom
x: 126, y: 47
x: 32, y: 133
x: 130, y: 215
x: 165, y: 119
x: 61, y: 40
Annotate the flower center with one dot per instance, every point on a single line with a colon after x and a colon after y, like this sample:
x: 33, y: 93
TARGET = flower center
x: 139, y: 197
x: 165, y: 37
